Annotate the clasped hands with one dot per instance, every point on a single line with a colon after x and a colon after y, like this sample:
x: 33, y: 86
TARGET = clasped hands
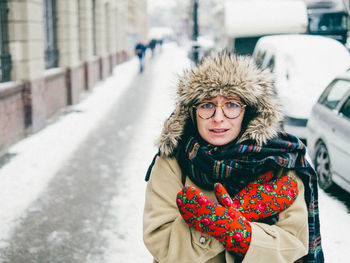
x: 229, y: 220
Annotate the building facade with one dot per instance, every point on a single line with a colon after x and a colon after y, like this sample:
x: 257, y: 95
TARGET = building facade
x: 51, y: 52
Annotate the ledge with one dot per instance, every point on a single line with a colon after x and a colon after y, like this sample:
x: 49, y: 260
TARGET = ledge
x: 10, y: 88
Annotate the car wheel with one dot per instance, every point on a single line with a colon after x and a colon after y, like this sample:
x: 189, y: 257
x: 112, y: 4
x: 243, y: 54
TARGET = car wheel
x: 323, y: 166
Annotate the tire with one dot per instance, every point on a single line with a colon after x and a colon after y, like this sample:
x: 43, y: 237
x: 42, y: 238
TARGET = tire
x: 323, y: 167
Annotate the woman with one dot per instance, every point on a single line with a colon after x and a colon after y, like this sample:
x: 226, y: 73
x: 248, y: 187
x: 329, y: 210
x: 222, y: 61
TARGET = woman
x: 226, y: 186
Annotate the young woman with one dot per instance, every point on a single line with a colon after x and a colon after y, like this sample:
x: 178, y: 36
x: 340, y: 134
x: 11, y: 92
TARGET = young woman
x: 226, y: 186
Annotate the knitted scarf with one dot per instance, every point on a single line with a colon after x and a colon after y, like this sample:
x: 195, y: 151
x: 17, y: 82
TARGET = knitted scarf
x: 238, y: 164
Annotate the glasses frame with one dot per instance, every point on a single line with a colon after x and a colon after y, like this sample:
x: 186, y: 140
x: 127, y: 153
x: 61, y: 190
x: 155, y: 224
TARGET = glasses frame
x: 222, y: 109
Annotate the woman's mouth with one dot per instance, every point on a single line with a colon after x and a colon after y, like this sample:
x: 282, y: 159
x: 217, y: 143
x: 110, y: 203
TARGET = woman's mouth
x: 218, y: 131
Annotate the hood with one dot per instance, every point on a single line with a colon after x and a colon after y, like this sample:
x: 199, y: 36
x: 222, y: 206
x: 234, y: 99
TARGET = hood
x: 228, y: 75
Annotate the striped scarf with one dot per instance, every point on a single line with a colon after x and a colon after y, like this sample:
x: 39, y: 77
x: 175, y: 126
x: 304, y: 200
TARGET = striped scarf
x: 237, y: 165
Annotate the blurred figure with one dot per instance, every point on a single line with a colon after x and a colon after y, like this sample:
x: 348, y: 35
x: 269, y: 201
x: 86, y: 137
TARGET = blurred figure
x: 152, y: 45
x: 140, y: 51
x: 160, y: 43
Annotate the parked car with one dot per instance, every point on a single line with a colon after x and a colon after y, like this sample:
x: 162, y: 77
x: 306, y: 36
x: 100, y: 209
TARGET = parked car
x: 303, y: 65
x: 329, y: 134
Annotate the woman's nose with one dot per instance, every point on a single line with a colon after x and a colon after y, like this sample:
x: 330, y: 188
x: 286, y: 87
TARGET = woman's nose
x: 219, y: 115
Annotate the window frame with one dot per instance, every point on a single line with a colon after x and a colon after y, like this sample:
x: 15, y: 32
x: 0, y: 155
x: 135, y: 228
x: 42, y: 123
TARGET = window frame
x: 321, y: 100
x: 50, y: 34
x: 341, y: 105
x: 5, y: 56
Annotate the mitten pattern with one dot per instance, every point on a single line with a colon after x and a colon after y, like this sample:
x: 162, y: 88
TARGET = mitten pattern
x: 262, y: 198
x: 228, y: 226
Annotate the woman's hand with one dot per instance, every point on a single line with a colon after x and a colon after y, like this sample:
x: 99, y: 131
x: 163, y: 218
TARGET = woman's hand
x: 261, y: 198
x: 228, y: 226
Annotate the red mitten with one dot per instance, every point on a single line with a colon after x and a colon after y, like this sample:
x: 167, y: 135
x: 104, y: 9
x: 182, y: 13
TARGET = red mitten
x: 261, y: 198
x: 201, y: 213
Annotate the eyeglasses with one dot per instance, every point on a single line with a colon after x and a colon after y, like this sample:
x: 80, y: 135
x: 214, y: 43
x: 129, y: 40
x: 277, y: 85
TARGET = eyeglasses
x: 231, y: 110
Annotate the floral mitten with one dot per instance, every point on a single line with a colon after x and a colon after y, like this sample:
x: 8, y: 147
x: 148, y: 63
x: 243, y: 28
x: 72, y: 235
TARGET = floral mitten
x: 261, y: 198
x: 228, y: 226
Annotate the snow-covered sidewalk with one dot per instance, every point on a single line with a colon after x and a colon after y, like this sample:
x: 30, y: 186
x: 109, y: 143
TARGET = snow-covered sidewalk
x: 123, y: 230
x: 37, y: 158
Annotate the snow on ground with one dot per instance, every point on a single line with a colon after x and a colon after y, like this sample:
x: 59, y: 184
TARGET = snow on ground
x: 124, y: 235
x: 335, y: 229
x: 38, y: 157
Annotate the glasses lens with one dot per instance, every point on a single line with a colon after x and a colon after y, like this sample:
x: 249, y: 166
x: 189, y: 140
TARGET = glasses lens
x: 206, y: 110
x: 232, y: 109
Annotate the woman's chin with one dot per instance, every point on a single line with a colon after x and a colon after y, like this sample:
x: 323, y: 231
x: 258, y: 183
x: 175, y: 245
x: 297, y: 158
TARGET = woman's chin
x: 219, y: 141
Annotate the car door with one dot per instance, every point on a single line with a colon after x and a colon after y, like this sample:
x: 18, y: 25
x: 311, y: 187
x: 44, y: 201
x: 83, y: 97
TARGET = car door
x: 341, y: 139
x: 329, y: 120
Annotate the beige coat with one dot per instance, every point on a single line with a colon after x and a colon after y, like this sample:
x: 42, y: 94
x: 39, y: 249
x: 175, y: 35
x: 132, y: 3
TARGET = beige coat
x: 170, y: 240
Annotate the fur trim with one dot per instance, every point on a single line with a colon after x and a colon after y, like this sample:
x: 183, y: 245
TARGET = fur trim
x: 228, y: 75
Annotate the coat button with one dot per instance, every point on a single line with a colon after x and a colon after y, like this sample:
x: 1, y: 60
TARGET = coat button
x: 202, y: 240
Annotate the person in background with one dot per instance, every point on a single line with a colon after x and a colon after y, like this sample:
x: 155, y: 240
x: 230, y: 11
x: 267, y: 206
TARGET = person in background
x: 140, y: 51
x: 152, y: 45
x: 226, y: 184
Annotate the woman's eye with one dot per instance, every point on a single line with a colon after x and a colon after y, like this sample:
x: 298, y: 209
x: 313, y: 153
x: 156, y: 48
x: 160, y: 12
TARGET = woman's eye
x: 207, y: 106
x: 233, y: 105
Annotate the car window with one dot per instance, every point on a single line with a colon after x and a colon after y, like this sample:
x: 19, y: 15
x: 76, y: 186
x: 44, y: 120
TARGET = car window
x: 260, y: 57
x: 334, y: 93
x: 345, y: 109
x: 271, y: 64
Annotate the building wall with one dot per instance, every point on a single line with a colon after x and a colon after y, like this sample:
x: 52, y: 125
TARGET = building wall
x: 68, y: 32
x: 26, y: 39
x: 35, y: 94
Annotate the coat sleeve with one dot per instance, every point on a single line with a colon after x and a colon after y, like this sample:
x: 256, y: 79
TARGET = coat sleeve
x: 165, y: 233
x: 287, y: 240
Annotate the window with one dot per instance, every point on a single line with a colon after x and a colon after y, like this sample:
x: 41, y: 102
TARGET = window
x: 94, y: 48
x: 80, y: 34
x: 51, y: 51
x: 271, y: 64
x: 5, y: 57
x: 345, y: 109
x: 334, y: 93
x: 260, y: 56
x: 324, y: 22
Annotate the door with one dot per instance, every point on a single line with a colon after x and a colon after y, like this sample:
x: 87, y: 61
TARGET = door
x: 341, y: 140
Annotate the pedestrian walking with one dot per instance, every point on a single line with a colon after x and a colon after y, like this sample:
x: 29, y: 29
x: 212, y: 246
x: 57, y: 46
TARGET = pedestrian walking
x: 140, y: 51
x: 152, y: 45
x: 226, y: 184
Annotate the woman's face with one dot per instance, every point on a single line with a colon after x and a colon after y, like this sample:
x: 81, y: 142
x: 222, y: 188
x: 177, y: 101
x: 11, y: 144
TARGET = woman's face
x: 220, y: 130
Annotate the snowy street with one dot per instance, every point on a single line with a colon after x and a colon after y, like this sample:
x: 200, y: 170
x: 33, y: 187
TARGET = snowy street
x: 74, y: 192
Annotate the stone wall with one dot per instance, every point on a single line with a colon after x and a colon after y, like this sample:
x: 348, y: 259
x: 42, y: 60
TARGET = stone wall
x: 48, y: 96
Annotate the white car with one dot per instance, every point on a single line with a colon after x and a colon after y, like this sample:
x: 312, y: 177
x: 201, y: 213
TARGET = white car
x: 329, y: 134
x: 303, y: 65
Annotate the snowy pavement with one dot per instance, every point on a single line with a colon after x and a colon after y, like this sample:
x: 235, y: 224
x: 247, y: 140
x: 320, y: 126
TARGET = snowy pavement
x: 38, y: 158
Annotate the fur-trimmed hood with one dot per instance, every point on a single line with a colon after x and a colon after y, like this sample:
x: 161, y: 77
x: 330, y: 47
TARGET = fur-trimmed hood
x: 228, y: 75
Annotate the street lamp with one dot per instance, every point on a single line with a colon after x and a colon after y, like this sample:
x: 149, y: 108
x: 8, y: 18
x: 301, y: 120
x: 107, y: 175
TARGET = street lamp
x: 195, y: 20
x: 196, y: 47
